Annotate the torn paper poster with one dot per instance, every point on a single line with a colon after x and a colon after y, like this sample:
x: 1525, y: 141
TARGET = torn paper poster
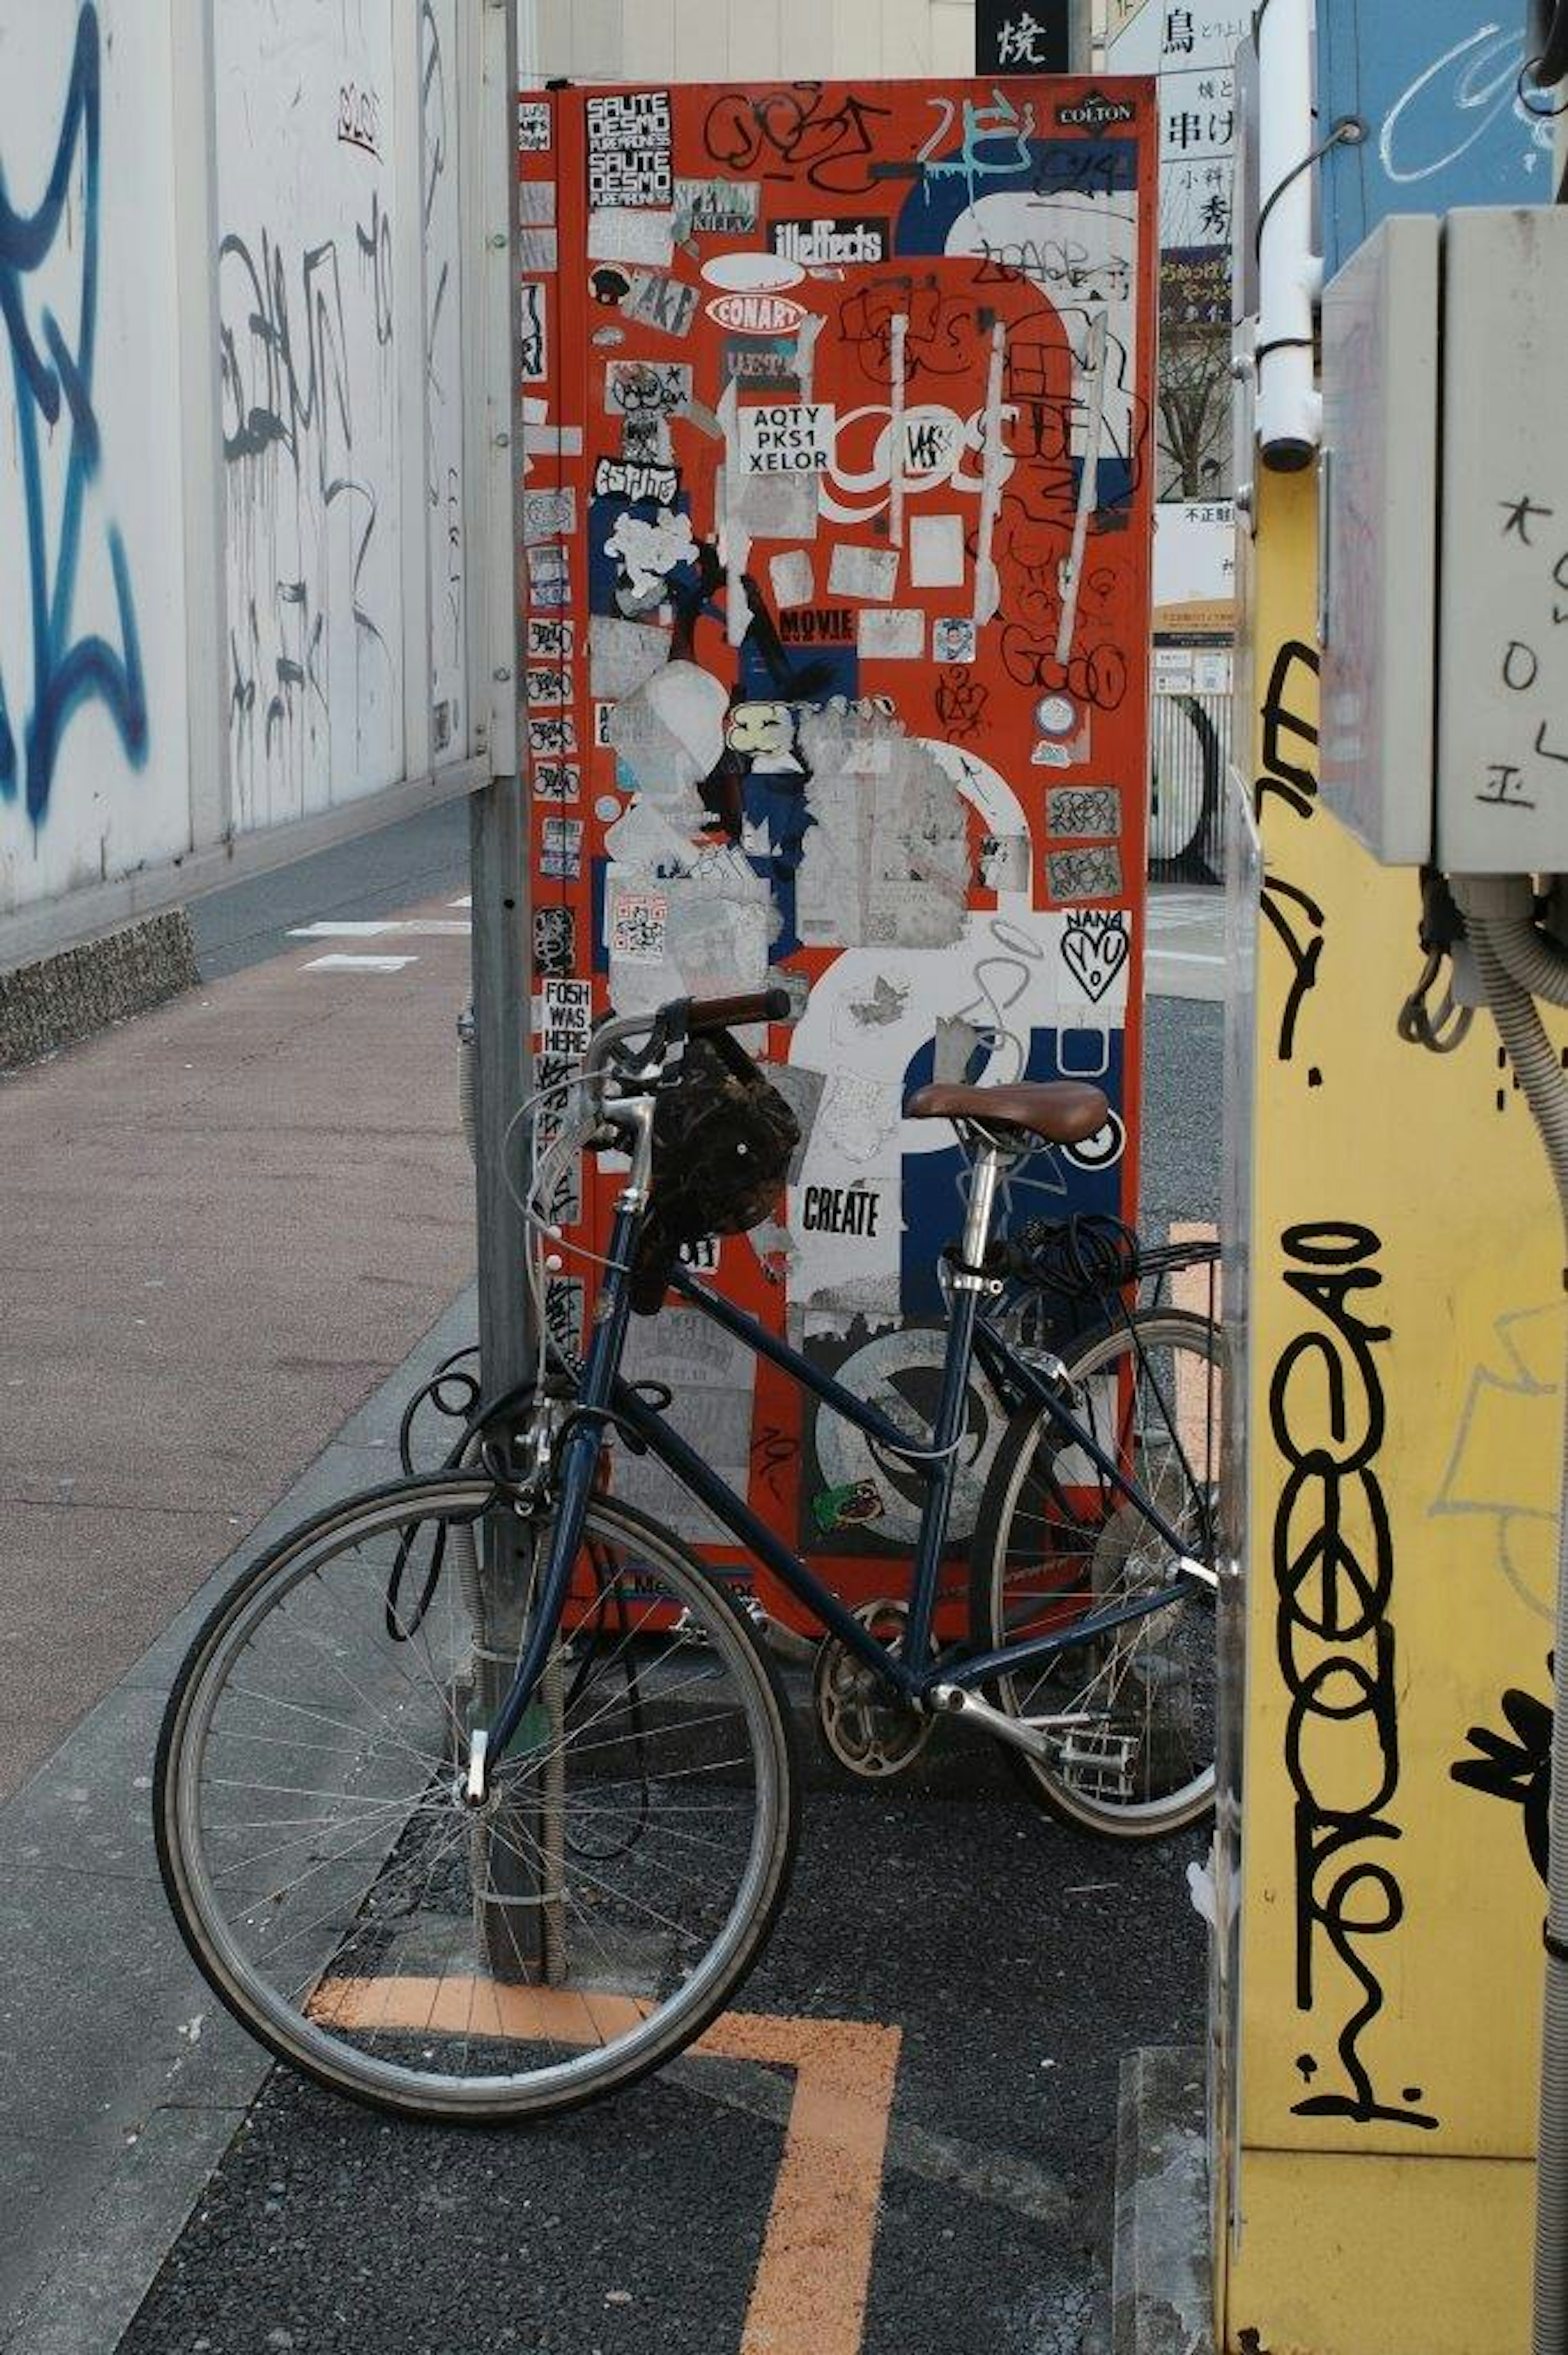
x: 716, y: 207
x: 646, y: 387
x: 710, y: 1378
x: 549, y: 515
x: 714, y: 940
x: 1004, y: 863
x: 803, y: 1090
x: 631, y: 233
x: 557, y: 781
x: 886, y: 860
x: 656, y: 300
x: 550, y: 641
x: 867, y: 573
x: 954, y: 639
x: 785, y: 437
x: 629, y: 137
x: 638, y: 924
x: 958, y: 1050
x: 935, y: 552
x: 533, y: 126
x: 616, y: 478
x: 555, y: 939
x: 567, y: 1010
x: 768, y: 507
x: 552, y: 735
x: 536, y: 203
x: 861, y: 1116
x: 647, y: 551
x: 893, y: 635
x: 791, y: 578
x: 1095, y: 949
x: 1084, y: 874
x: 543, y: 440
x: 1082, y: 812
x: 532, y: 333
x: 537, y: 249
x: 670, y: 732
x: 623, y: 655
x: 561, y: 850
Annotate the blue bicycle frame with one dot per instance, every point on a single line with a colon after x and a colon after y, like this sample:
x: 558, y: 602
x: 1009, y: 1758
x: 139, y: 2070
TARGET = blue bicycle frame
x: 604, y: 1400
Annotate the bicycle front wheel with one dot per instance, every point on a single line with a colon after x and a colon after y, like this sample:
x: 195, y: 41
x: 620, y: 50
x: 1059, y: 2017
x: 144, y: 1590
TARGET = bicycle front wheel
x: 1129, y: 1717
x: 369, y: 1926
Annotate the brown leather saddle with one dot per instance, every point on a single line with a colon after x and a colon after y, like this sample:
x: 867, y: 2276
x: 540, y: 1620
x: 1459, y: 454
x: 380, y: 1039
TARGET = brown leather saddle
x: 1060, y: 1112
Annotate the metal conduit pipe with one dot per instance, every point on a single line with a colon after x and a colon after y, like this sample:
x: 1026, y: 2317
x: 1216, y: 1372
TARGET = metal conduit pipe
x: 1506, y: 905
x: 1498, y: 947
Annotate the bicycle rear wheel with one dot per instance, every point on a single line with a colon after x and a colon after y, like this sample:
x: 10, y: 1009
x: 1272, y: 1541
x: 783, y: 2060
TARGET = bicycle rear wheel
x: 1055, y: 1542
x: 366, y: 1923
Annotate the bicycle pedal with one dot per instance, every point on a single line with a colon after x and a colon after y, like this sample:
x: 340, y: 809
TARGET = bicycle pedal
x: 1099, y: 1764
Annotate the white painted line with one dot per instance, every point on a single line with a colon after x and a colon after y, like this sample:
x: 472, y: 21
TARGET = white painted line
x: 433, y: 928
x: 335, y: 932
x: 358, y: 963
x: 404, y: 928
x: 466, y: 902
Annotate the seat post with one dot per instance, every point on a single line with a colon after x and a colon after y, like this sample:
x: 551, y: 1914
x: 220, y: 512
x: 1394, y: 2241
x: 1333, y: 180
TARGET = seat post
x: 982, y: 1203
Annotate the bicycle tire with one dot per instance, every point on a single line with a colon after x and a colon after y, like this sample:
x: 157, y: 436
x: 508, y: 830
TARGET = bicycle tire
x: 1125, y: 1775
x: 353, y: 2023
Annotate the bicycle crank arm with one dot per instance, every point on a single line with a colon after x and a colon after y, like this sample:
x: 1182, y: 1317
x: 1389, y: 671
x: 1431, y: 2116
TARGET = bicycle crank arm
x: 1024, y: 1734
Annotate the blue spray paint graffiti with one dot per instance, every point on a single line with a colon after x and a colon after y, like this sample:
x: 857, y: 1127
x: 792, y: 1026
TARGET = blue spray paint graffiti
x: 68, y: 671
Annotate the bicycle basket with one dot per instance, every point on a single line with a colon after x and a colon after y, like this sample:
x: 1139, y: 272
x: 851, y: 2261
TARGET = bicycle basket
x: 723, y: 1138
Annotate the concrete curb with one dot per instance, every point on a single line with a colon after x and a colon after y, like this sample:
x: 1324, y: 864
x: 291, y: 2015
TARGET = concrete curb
x: 1160, y: 2287
x: 59, y: 999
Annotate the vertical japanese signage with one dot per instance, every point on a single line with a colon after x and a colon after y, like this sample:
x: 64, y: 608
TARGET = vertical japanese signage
x: 838, y: 515
x: 1013, y: 40
x: 1191, y: 46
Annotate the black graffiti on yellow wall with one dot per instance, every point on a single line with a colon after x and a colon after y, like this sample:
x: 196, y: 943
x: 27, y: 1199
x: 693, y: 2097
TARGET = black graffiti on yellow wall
x: 1289, y: 780
x: 1517, y: 1766
x: 1332, y: 1561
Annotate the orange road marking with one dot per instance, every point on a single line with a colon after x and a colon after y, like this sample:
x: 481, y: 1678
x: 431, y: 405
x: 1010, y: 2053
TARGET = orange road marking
x: 815, y: 2274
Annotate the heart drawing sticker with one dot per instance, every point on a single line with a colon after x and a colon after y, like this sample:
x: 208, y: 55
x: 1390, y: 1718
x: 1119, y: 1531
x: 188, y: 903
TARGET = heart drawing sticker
x: 1095, y: 948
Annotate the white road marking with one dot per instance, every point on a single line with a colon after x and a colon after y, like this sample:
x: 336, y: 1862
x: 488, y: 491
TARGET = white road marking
x: 342, y: 963
x: 338, y: 931
x: 408, y: 928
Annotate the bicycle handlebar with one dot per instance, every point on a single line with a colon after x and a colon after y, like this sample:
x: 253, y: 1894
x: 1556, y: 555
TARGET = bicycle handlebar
x: 725, y: 1013
x: 701, y: 1014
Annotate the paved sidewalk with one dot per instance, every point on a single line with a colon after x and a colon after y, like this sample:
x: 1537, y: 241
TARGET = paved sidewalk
x: 225, y: 1223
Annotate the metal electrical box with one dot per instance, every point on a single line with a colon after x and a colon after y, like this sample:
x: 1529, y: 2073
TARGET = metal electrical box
x: 1444, y: 560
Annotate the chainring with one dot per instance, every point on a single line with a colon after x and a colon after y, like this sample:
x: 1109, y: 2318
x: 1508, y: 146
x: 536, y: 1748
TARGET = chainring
x: 862, y: 1723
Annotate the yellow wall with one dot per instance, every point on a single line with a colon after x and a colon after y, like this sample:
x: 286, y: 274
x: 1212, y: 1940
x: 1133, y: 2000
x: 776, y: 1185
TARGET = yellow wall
x: 1406, y: 1338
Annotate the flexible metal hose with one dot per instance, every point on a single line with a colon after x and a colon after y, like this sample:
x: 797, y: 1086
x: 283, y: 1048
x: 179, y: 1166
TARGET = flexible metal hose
x: 1503, y: 957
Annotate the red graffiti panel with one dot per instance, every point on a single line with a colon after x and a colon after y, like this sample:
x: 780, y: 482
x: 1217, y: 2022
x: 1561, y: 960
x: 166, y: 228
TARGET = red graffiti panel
x: 838, y: 512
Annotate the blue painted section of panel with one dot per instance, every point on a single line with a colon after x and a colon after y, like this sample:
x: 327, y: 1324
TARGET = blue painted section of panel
x: 1436, y: 83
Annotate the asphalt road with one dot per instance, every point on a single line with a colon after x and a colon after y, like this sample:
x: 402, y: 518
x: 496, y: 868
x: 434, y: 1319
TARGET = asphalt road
x: 1018, y: 1961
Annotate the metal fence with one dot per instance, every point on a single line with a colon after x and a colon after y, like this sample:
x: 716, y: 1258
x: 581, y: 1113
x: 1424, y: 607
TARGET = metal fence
x: 1190, y: 742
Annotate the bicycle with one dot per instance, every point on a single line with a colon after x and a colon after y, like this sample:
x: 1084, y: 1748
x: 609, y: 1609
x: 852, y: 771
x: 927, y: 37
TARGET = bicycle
x: 475, y: 1798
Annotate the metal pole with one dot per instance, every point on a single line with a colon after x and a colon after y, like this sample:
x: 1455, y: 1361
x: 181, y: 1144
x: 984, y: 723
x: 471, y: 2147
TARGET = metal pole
x: 1081, y: 38
x: 507, y: 1843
